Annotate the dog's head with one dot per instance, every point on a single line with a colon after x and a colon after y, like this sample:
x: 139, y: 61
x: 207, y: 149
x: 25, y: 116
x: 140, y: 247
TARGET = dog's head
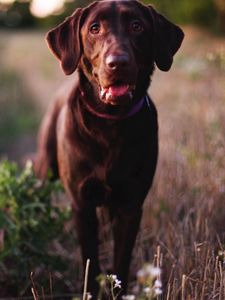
x: 116, y: 44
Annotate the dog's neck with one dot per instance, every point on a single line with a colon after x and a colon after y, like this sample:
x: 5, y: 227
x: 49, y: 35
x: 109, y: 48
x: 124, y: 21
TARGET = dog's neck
x: 133, y: 111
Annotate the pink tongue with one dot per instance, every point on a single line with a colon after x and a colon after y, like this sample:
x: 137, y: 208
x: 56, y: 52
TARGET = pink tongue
x: 116, y: 91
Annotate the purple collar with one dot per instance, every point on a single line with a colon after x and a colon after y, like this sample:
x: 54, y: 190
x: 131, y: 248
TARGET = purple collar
x: 134, y: 110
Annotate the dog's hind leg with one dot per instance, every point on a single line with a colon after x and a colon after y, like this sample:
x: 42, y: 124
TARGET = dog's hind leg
x: 46, y: 158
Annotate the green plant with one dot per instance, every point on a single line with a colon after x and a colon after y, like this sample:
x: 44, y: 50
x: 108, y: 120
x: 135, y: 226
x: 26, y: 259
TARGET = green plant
x: 29, y: 223
x: 18, y: 114
x: 187, y: 11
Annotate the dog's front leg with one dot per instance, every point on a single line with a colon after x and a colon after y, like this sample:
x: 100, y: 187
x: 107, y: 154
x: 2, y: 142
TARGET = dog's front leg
x: 91, y: 193
x: 125, y: 228
x: 86, y: 224
x: 87, y: 230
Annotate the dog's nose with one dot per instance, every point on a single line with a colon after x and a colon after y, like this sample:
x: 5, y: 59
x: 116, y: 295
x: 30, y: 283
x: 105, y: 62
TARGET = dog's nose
x: 114, y: 62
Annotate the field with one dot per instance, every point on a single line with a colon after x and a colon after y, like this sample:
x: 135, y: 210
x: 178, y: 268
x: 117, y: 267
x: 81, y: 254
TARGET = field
x: 183, y: 229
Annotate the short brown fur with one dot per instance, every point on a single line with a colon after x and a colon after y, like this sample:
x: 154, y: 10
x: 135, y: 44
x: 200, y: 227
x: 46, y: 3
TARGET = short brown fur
x: 103, y: 161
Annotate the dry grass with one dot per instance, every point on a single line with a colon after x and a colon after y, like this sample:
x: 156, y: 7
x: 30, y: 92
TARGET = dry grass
x: 185, y: 211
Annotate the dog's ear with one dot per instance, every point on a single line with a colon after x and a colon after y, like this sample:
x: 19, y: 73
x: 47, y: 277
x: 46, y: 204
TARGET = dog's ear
x: 168, y: 39
x: 64, y: 41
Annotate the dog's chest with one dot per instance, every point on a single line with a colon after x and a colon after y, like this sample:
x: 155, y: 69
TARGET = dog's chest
x: 111, y: 150
x: 119, y: 148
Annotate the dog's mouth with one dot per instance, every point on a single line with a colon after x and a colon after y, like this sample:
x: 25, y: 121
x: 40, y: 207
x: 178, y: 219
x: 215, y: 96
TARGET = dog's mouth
x: 117, y: 93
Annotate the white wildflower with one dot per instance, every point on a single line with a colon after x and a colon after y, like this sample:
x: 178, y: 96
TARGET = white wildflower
x: 117, y: 283
x: 147, y: 290
x: 114, y: 277
x: 29, y: 164
x: 158, y: 283
x: 89, y: 296
x: 128, y: 297
x: 141, y: 273
x: 158, y: 291
x: 153, y: 271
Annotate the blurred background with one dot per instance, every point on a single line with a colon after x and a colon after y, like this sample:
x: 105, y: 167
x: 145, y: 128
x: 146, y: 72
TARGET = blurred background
x: 186, y: 212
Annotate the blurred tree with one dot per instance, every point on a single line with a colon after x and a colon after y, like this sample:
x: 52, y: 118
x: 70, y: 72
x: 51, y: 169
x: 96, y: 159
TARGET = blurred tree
x: 69, y: 7
x: 17, y: 15
x: 203, y: 12
x: 220, y: 5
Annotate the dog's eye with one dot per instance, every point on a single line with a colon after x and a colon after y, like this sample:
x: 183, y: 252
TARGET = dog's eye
x: 95, y: 28
x: 136, y: 26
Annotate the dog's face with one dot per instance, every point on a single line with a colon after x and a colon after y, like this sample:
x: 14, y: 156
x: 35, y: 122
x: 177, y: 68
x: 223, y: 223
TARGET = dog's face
x: 114, y: 39
x: 116, y: 44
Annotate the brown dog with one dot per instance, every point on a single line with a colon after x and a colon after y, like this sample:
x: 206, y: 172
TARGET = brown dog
x: 101, y: 137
